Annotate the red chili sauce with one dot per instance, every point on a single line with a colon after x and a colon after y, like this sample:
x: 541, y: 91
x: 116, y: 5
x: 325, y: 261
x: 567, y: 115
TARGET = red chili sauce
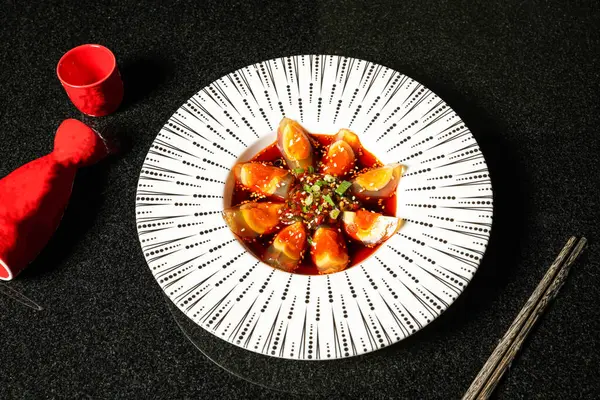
x: 357, y: 252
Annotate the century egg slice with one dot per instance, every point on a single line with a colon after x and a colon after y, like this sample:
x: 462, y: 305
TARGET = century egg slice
x: 349, y: 137
x: 370, y: 228
x: 328, y: 250
x: 339, y: 159
x: 253, y: 219
x: 264, y: 179
x: 295, y: 145
x: 378, y: 183
x: 287, y: 248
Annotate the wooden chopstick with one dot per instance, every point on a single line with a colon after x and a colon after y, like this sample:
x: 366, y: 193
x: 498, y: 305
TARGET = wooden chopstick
x: 550, y: 294
x: 487, y: 379
x: 488, y: 368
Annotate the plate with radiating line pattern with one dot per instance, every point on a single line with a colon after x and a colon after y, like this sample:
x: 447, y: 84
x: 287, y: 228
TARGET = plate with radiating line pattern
x: 445, y: 196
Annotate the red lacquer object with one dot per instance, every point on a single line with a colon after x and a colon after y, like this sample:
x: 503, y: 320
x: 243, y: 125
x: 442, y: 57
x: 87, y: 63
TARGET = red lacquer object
x: 91, y: 79
x: 33, y: 198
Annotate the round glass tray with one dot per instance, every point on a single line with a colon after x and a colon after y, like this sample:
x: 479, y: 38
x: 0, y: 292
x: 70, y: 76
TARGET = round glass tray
x: 388, y: 370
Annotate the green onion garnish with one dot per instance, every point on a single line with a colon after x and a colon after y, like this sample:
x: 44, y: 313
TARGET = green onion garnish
x: 311, y: 169
x: 342, y: 187
x: 328, y: 178
x: 321, y: 183
x: 304, y: 209
x: 334, y: 213
x: 308, y: 200
x: 328, y: 199
x: 298, y: 171
x: 307, y: 188
x: 309, y: 241
x: 316, y: 188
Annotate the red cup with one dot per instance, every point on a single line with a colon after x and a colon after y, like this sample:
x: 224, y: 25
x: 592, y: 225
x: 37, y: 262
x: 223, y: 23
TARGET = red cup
x: 91, y: 79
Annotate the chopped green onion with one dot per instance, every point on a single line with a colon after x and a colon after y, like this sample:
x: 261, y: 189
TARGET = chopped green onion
x: 307, y: 188
x: 328, y: 178
x: 304, y: 209
x: 320, y: 207
x: 309, y: 241
x: 316, y: 188
x: 328, y: 199
x: 308, y: 200
x: 310, y: 169
x: 321, y: 183
x: 334, y: 213
x: 342, y: 187
x: 298, y: 171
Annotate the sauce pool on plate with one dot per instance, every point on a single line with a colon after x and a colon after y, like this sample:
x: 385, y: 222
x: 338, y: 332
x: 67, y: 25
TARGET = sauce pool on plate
x: 321, y: 186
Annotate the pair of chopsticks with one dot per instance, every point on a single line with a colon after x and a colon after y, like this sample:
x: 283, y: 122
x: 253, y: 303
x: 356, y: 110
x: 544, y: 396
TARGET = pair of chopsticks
x: 486, y: 381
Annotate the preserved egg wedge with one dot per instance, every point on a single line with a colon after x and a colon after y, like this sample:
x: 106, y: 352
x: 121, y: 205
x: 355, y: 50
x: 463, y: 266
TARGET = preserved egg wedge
x: 264, y: 179
x: 250, y: 220
x: 328, y: 250
x: 351, y: 138
x: 295, y: 145
x: 370, y: 228
x: 339, y: 159
x: 288, y: 247
x: 377, y: 183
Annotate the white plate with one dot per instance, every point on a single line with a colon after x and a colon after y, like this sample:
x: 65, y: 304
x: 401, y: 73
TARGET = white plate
x: 445, y: 197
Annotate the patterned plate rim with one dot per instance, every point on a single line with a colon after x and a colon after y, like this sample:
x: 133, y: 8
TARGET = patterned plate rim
x: 376, y: 332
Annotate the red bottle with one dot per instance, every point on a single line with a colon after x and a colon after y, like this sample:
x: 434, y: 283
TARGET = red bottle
x: 33, y: 198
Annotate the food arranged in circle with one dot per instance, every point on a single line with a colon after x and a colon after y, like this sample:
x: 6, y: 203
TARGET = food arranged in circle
x: 314, y: 203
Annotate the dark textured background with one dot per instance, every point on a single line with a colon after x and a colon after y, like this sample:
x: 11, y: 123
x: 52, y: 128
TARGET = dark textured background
x: 524, y: 76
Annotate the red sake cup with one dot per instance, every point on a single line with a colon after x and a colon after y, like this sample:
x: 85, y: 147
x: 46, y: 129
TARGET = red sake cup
x: 91, y: 79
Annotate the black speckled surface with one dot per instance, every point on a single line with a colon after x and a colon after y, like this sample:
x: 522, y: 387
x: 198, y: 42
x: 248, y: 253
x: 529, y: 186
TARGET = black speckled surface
x: 522, y: 74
